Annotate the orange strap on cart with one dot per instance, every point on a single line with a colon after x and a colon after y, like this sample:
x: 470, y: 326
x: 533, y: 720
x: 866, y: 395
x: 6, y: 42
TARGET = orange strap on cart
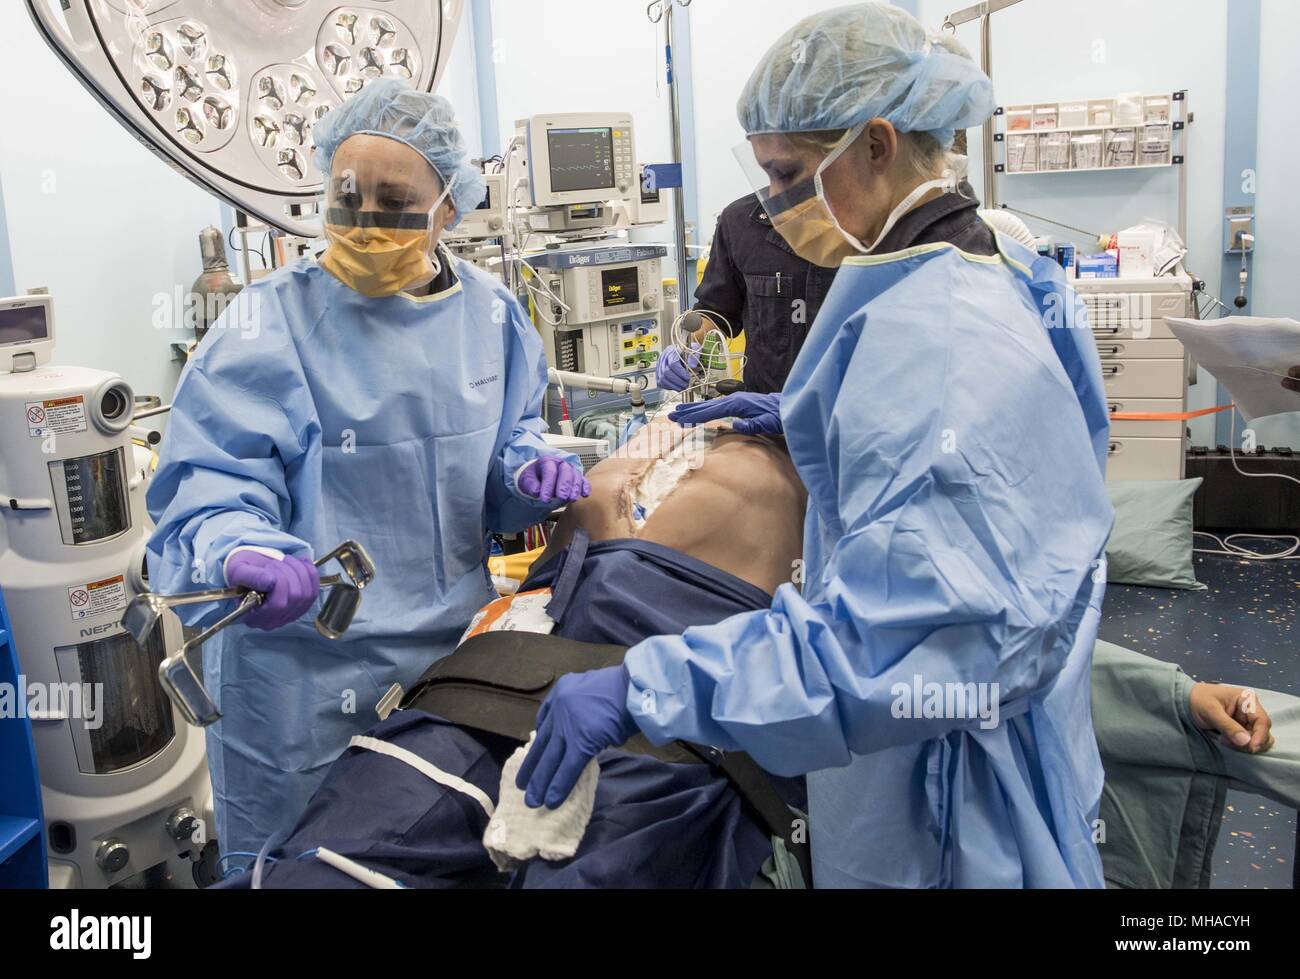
x: 1166, y: 416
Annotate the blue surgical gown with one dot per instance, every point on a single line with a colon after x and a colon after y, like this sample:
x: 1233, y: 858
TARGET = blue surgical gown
x: 948, y: 417
x: 311, y: 415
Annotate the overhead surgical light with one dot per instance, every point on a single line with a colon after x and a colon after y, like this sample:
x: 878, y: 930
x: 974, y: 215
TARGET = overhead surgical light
x: 228, y: 91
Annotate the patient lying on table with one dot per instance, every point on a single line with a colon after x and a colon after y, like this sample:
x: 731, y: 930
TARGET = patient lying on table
x: 685, y: 528
x: 682, y: 528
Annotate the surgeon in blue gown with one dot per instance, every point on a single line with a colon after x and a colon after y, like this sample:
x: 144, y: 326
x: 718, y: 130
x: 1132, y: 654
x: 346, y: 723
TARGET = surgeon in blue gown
x: 389, y: 394
x: 929, y: 666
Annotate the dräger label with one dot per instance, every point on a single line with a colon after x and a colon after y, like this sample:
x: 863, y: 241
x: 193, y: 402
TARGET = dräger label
x: 97, y: 597
x: 59, y: 416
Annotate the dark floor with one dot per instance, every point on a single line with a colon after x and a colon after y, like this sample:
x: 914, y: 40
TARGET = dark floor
x: 1242, y: 629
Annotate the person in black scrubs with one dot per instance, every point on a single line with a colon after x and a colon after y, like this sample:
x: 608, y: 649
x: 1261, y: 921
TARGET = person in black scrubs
x: 757, y: 284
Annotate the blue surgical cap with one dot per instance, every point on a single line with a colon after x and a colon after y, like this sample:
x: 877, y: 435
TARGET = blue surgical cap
x: 836, y: 69
x: 424, y: 122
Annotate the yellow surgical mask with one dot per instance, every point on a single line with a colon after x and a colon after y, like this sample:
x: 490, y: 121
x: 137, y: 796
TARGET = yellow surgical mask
x: 800, y: 214
x: 380, y: 253
x: 810, y: 229
x: 377, y: 261
x: 805, y: 219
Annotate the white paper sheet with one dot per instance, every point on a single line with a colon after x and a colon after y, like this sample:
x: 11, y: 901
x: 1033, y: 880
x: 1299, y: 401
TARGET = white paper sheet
x: 1248, y: 355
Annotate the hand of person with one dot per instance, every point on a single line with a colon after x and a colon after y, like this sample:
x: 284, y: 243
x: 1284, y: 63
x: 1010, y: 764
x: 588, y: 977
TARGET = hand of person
x: 1233, y: 712
x: 1292, y: 379
x: 584, y: 714
x: 289, y: 586
x: 551, y: 479
x: 755, y: 414
x: 672, y: 373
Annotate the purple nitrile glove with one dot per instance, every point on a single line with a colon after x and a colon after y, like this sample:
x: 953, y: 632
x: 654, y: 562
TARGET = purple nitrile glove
x: 674, y: 374
x: 551, y: 479
x: 289, y: 586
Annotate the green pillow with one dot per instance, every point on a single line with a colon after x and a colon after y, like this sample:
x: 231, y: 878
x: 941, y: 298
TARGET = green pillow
x: 1152, y: 540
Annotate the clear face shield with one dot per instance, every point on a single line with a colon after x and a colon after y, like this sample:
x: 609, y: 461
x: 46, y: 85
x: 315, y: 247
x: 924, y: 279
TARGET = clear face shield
x: 381, y: 228
x: 787, y: 186
x: 790, y: 184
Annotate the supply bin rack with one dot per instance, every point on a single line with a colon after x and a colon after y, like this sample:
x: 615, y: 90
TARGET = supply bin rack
x: 1157, y: 142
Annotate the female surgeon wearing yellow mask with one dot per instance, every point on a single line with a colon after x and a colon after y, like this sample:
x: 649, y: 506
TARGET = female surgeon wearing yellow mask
x: 390, y: 394
x: 384, y: 247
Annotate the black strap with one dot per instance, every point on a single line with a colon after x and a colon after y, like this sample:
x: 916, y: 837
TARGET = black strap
x: 496, y: 681
x: 755, y: 788
x: 566, y: 582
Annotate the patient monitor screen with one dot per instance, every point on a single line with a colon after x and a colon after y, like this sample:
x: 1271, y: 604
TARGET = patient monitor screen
x: 581, y: 159
x: 620, y: 287
x: 23, y: 324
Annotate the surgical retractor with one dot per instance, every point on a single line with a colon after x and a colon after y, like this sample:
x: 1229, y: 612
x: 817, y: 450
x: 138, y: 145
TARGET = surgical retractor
x: 178, y: 678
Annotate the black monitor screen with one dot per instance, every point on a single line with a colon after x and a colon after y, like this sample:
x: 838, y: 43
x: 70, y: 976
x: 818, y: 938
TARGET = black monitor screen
x: 25, y: 324
x: 620, y: 286
x: 581, y: 159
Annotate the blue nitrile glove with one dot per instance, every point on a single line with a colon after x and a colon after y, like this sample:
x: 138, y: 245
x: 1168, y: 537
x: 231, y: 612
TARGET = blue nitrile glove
x: 584, y: 714
x: 755, y: 414
x: 672, y: 374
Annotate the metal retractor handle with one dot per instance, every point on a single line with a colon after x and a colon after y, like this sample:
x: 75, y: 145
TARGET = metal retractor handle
x: 179, y: 680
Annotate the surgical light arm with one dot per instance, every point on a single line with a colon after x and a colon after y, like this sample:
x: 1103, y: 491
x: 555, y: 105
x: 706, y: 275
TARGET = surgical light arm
x: 227, y: 92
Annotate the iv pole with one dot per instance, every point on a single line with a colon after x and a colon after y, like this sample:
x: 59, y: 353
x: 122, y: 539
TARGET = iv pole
x: 657, y: 11
x: 983, y: 12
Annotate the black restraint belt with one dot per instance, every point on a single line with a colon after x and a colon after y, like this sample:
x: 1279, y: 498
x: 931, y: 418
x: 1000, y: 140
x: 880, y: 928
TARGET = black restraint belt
x: 496, y: 682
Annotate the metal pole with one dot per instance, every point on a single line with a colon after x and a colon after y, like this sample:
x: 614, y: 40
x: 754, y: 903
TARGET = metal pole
x: 986, y: 62
x: 983, y: 12
x: 975, y: 11
x: 1184, y: 143
x: 245, y: 263
x: 590, y: 382
x: 685, y: 290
